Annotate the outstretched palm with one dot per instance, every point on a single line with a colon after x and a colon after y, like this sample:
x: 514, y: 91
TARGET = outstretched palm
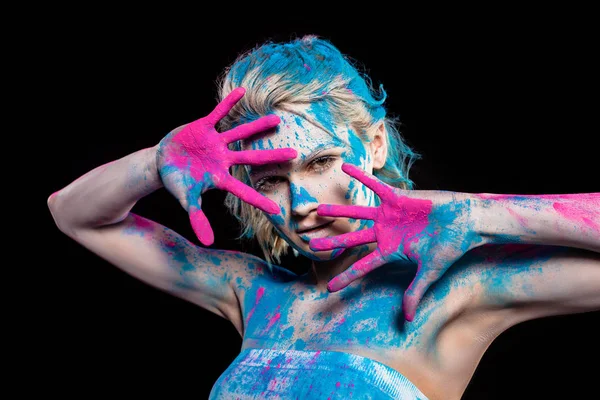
x: 429, y: 228
x: 197, y: 158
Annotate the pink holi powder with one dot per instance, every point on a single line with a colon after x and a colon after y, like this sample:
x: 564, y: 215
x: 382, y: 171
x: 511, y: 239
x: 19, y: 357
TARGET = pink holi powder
x: 273, y: 319
x: 142, y: 223
x: 337, y: 384
x: 574, y: 213
x: 267, y: 368
x: 272, y: 384
x: 259, y: 295
x: 520, y: 219
x: 416, y: 214
x: 314, y: 359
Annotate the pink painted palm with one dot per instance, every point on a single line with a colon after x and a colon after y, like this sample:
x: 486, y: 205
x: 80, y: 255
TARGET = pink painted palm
x: 197, y: 158
x: 432, y: 230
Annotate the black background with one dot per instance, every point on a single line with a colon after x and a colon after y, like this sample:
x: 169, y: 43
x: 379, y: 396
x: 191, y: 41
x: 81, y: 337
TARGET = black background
x: 497, y: 101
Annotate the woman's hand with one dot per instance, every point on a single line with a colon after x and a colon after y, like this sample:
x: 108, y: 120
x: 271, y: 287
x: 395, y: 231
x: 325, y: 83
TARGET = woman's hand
x: 430, y: 228
x: 196, y: 158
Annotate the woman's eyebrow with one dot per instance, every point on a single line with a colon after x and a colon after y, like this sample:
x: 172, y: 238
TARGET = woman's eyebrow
x: 258, y: 169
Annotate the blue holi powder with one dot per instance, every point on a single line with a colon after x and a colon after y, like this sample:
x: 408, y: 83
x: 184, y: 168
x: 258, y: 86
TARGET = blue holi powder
x: 298, y: 122
x: 358, y: 152
x: 290, y: 374
x: 506, y: 239
x: 258, y: 145
x: 215, y: 260
x: 300, y: 196
x: 322, y: 114
x: 350, y: 187
x: 168, y: 169
x: 443, y: 216
x: 300, y: 344
x: 336, y: 253
x: 277, y: 219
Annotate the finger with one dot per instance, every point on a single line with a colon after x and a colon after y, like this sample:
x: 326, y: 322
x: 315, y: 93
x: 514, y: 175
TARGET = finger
x: 251, y: 128
x: 258, y: 157
x: 201, y: 226
x: 357, y: 270
x: 249, y: 195
x: 417, y: 289
x: 344, y: 240
x: 358, y: 212
x: 368, y: 180
x: 223, y: 108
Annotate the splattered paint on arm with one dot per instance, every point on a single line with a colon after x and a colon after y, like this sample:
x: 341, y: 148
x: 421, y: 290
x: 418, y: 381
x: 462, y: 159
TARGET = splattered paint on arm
x: 571, y: 220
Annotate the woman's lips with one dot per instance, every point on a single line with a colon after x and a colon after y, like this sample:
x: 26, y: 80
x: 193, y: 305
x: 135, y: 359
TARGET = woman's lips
x: 319, y: 232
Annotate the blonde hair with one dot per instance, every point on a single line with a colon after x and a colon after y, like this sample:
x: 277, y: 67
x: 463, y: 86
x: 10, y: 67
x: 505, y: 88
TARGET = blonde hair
x: 288, y: 77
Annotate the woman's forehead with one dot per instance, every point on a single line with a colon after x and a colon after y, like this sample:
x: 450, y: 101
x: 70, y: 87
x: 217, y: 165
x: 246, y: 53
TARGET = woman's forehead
x: 298, y: 132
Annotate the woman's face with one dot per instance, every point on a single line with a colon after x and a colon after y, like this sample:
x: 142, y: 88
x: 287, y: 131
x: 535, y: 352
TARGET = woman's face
x: 314, y: 177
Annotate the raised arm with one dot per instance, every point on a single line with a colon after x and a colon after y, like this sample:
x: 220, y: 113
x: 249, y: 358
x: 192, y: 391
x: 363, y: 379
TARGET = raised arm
x: 571, y: 220
x: 95, y: 210
x: 434, y: 229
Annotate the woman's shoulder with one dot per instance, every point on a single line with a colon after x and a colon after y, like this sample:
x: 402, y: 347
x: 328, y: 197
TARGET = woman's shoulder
x: 248, y: 269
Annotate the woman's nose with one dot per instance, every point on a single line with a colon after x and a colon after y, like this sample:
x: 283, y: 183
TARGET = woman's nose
x: 302, y: 200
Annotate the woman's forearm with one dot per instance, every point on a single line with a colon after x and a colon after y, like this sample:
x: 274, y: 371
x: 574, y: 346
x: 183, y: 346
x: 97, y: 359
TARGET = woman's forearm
x: 563, y: 220
x: 106, y: 194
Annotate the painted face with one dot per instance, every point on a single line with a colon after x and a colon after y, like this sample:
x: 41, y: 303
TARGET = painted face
x: 314, y: 177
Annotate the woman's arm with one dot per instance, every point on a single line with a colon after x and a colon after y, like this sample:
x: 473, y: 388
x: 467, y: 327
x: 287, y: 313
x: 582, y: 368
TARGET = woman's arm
x: 560, y: 277
x: 435, y: 229
x: 571, y: 220
x: 94, y: 210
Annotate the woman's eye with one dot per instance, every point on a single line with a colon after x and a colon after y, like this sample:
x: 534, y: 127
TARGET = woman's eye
x: 267, y: 183
x: 322, y: 163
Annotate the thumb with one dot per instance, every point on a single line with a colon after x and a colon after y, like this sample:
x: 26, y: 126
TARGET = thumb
x: 201, y: 226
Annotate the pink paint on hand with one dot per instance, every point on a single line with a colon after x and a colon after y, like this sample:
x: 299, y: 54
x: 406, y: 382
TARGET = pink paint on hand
x: 200, y: 156
x: 400, y: 223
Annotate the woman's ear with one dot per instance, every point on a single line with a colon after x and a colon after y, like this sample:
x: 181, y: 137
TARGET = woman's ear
x: 379, y: 146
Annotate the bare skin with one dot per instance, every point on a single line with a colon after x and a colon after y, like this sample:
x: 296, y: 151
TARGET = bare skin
x: 491, y: 288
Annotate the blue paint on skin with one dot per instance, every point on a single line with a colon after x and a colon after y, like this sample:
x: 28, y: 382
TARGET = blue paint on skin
x: 358, y: 154
x: 258, y: 145
x: 350, y: 187
x: 300, y: 196
x: 324, y: 116
x: 277, y: 320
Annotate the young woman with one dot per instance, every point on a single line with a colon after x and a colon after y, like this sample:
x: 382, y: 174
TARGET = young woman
x: 407, y: 288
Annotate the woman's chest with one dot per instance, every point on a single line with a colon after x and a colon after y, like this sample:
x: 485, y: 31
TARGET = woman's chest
x: 302, y: 318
